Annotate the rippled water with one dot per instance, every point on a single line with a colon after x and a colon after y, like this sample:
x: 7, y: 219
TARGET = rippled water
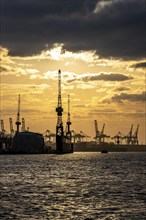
x: 74, y: 186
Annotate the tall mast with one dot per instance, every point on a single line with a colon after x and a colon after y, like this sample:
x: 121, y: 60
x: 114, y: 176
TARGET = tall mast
x: 18, y: 123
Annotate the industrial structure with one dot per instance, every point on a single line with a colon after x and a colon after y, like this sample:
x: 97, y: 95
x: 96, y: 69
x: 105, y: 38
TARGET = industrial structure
x: 20, y: 141
x: 79, y: 137
x: 27, y: 143
x: 63, y: 142
x: 135, y: 136
x: 68, y: 123
x: 99, y: 135
x: 18, y: 123
x: 132, y: 139
x: 118, y: 138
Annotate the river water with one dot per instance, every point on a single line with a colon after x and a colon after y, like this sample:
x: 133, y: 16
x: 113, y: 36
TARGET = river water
x: 73, y: 186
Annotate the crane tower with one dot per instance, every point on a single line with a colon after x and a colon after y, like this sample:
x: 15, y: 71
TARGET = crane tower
x: 68, y: 119
x: 18, y: 123
x: 59, y: 126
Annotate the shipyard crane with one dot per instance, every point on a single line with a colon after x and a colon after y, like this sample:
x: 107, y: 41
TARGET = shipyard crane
x: 76, y: 136
x: 118, y: 138
x: 63, y: 143
x: 102, y: 133
x: 68, y: 118
x: 18, y: 123
x: 23, y: 125
x: 100, y: 136
x: 11, y: 127
x: 129, y: 137
x: 83, y: 135
x: 96, y: 128
x: 59, y: 126
x: 135, y: 136
x: 68, y: 123
x: 79, y: 137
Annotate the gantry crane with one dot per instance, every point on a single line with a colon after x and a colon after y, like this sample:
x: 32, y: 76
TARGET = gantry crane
x: 135, y: 136
x: 18, y: 123
x: 84, y: 136
x: 129, y: 137
x: 79, y: 137
x: 100, y: 136
x: 118, y: 138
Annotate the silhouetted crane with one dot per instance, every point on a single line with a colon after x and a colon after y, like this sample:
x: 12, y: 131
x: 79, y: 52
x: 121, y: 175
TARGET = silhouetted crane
x: 68, y: 118
x: 135, y: 136
x: 100, y: 136
x: 59, y: 126
x: 118, y: 138
x: 18, y: 123
x: 129, y: 138
x: 79, y: 137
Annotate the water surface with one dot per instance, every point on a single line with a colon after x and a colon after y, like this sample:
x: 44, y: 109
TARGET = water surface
x: 73, y: 186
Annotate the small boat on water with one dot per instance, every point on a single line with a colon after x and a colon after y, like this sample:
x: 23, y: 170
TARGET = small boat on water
x: 104, y: 151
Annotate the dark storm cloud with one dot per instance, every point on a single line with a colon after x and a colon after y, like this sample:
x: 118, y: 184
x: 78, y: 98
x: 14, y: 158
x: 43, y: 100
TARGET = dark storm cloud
x: 102, y: 76
x: 128, y: 97
x: 139, y: 65
x: 117, y: 30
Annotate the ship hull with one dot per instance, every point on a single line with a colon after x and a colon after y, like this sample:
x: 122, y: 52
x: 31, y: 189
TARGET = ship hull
x: 94, y: 147
x: 27, y: 143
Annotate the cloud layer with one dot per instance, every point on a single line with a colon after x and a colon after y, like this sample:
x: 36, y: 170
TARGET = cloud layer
x: 100, y: 76
x: 137, y: 97
x: 113, y: 28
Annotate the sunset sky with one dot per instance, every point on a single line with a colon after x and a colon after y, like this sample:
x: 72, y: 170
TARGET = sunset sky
x: 100, y: 48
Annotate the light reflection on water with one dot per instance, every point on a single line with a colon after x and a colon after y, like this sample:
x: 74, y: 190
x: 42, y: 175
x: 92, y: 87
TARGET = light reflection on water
x: 73, y: 186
